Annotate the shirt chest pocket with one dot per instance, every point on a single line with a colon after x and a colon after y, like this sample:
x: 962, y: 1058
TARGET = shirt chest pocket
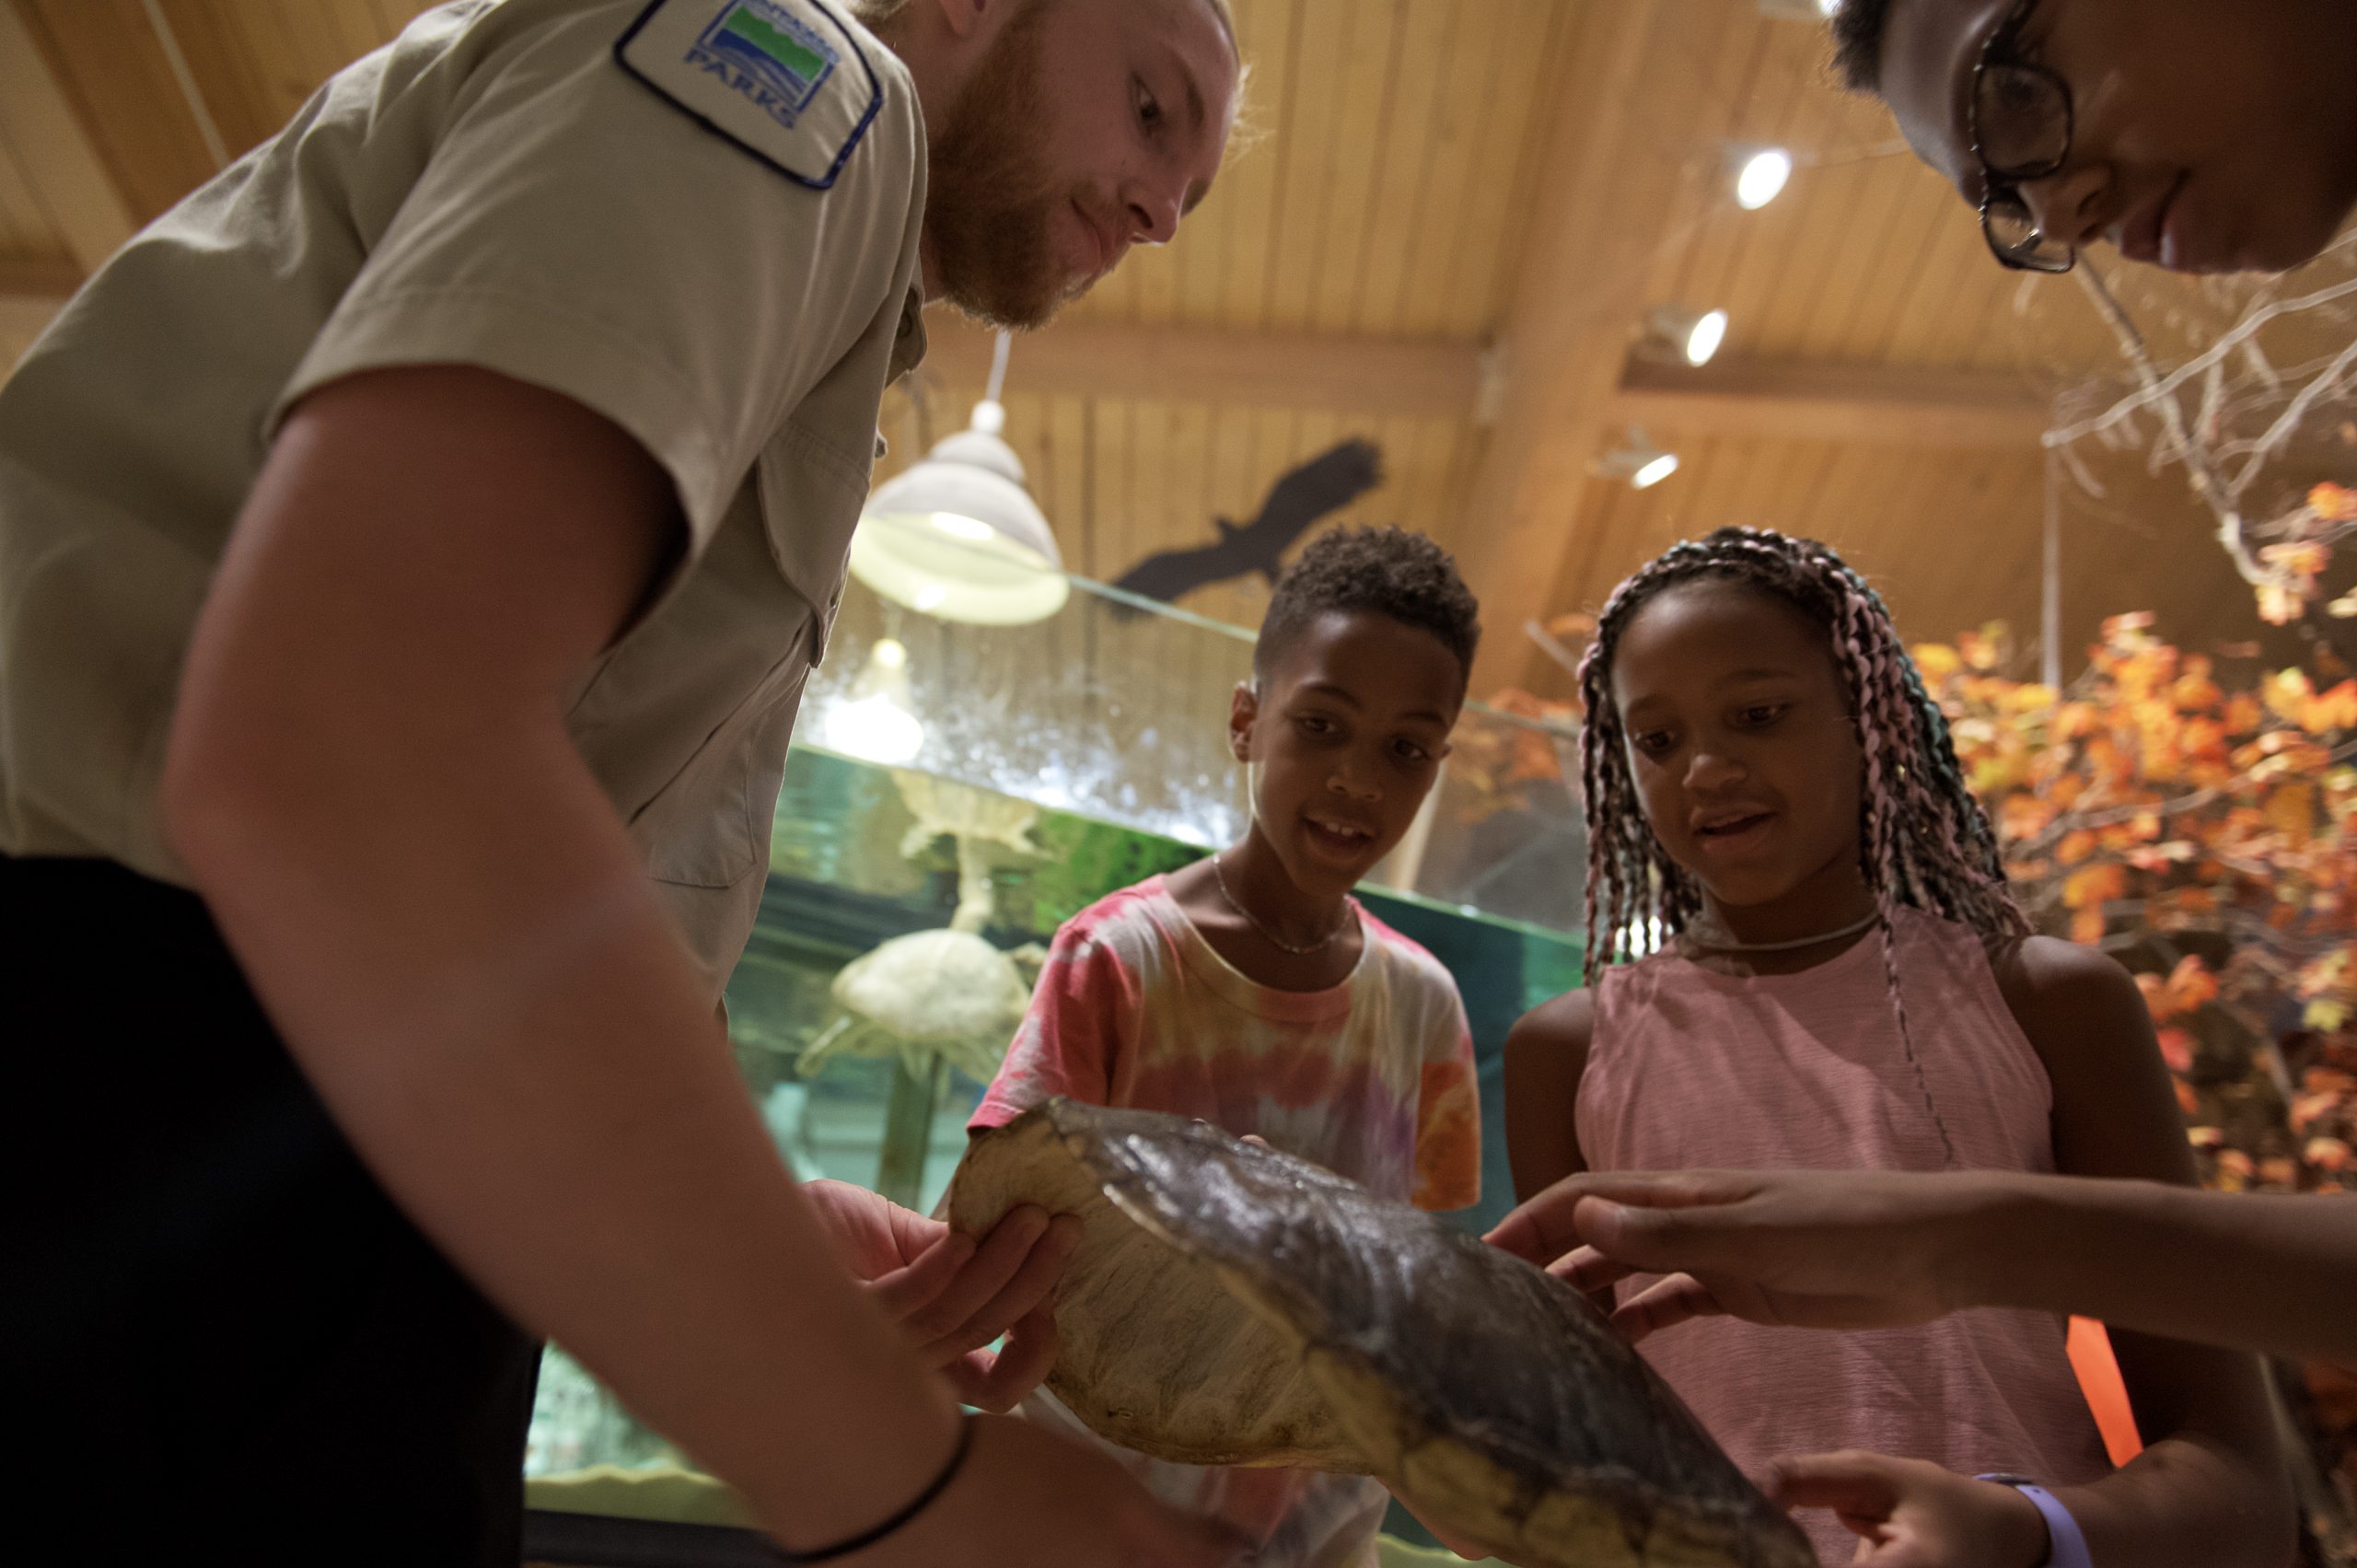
x: 811, y: 491
x: 709, y: 826
x: 689, y: 720
x: 753, y: 622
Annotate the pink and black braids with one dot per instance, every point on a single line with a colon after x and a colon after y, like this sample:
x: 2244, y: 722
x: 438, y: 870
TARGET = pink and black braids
x: 1923, y: 841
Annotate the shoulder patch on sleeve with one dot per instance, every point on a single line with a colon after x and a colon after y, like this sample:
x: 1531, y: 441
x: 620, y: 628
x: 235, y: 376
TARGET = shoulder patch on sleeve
x: 786, y: 80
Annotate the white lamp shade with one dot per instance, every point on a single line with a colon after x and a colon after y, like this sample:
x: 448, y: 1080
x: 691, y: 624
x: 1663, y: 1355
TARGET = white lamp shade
x: 958, y: 534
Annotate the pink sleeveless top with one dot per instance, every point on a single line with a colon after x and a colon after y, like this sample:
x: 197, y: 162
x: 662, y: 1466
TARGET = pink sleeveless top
x: 1691, y: 1069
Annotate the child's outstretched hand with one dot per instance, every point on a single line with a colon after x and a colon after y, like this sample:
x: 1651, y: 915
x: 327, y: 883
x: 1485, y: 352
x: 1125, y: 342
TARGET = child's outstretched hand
x: 1907, y: 1514
x: 1825, y: 1250
x: 952, y: 1296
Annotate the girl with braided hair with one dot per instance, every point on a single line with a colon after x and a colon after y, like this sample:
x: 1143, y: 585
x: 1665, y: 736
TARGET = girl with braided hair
x: 1801, y: 953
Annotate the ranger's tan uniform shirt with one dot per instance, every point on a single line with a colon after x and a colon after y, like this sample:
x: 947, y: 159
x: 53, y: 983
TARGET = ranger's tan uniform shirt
x: 699, y: 218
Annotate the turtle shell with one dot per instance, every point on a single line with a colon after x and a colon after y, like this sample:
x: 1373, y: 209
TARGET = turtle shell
x: 1230, y: 1303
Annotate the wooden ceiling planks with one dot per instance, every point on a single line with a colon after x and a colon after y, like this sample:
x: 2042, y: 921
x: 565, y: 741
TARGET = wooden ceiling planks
x: 1115, y: 500
x: 63, y: 213
x: 1380, y: 196
x: 1608, y: 184
x: 1693, y: 265
x: 1852, y: 266
x: 1393, y: 194
x: 107, y: 62
x: 1427, y: 37
x: 1440, y: 466
x: 295, y: 48
x: 25, y: 226
x: 1062, y: 472
x: 1921, y: 232
x: 1515, y: 119
x: 1412, y: 270
x: 1869, y: 257
x: 1238, y: 477
x: 1243, y: 202
x: 1153, y: 505
x: 220, y: 43
x: 1319, y: 88
x: 253, y: 63
x: 1319, y: 296
x: 1827, y: 247
x: 1797, y: 236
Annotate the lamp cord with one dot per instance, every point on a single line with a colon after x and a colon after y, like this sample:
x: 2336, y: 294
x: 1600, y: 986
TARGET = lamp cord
x: 998, y: 363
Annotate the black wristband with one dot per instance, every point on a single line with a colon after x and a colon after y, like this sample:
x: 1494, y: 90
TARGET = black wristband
x: 917, y: 1504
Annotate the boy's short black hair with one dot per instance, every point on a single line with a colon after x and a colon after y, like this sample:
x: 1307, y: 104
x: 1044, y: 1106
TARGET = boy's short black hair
x: 1387, y: 572
x: 1858, y: 27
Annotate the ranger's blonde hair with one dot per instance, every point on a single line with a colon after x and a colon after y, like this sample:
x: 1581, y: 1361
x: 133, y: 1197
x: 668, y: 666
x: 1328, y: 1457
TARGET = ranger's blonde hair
x: 876, y: 13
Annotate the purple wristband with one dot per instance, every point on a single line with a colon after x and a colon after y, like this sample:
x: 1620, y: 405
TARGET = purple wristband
x: 2065, y: 1548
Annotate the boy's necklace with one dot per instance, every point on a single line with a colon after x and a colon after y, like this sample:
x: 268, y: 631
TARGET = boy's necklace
x: 1272, y: 937
x: 1700, y: 934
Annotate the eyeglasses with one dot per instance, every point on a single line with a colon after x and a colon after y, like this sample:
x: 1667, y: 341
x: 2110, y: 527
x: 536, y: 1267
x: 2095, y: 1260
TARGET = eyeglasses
x: 2021, y: 126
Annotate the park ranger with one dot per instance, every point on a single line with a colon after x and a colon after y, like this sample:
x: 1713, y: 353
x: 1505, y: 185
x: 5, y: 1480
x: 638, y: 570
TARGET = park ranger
x: 413, y: 547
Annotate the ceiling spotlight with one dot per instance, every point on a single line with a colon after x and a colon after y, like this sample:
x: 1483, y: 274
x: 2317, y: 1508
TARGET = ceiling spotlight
x: 1799, y: 10
x: 1638, y: 461
x: 1759, y: 175
x: 1678, y: 336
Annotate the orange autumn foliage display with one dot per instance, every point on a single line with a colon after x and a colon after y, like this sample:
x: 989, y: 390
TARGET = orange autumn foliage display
x: 2207, y: 833
x: 2308, y: 534
x: 1500, y: 763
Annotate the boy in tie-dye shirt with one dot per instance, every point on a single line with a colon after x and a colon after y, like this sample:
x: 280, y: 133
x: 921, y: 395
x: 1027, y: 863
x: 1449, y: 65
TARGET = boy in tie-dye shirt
x: 1252, y: 991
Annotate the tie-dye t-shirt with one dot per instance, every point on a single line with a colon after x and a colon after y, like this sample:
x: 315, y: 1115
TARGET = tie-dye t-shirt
x: 1372, y: 1079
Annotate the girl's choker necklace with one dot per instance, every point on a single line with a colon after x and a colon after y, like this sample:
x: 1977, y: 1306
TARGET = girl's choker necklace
x: 1702, y: 936
x: 1341, y: 925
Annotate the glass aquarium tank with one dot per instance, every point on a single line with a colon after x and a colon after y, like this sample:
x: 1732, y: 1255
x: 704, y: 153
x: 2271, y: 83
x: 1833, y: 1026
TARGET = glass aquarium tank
x: 955, y: 793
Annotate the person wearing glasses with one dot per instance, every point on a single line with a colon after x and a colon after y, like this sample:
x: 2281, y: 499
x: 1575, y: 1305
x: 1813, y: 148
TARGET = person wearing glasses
x: 2201, y: 136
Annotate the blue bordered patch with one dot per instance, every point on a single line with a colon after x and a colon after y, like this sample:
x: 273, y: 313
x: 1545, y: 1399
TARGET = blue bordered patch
x: 767, y: 54
x: 786, y: 80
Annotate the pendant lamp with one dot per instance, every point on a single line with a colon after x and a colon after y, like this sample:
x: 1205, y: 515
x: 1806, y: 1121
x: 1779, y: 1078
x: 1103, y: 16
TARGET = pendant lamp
x: 958, y: 534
